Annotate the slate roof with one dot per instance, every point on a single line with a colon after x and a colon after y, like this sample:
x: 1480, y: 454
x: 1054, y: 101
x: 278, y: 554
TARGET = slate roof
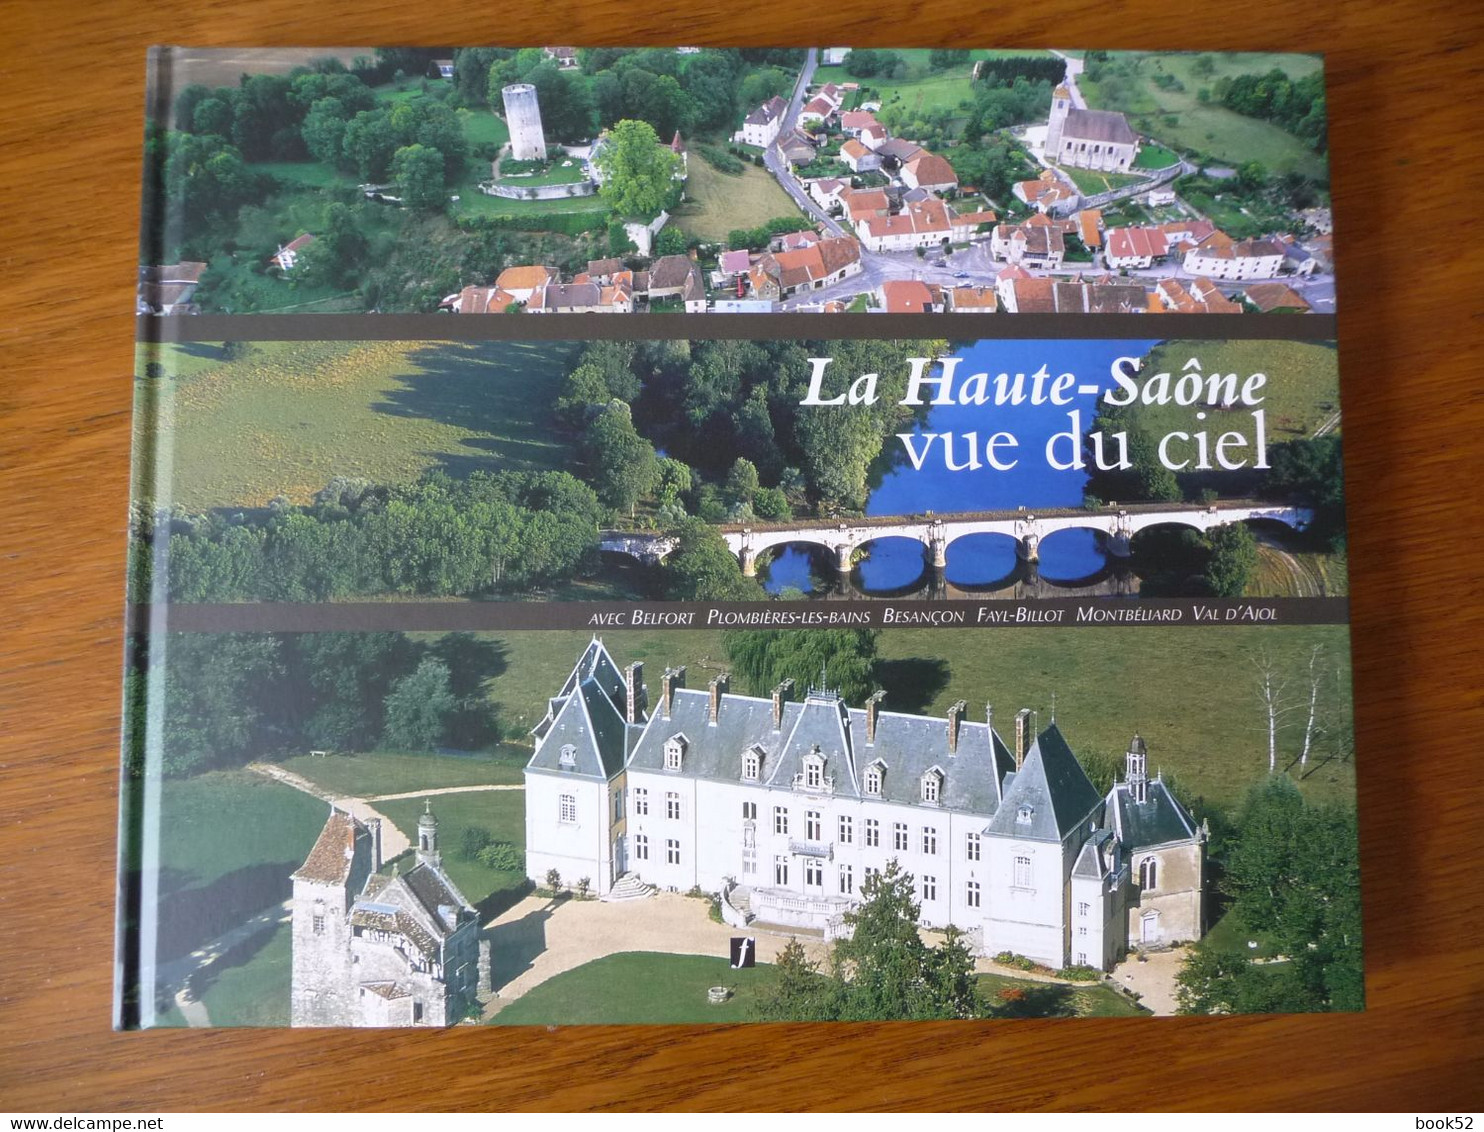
x: 1054, y: 786
x: 1141, y: 825
x: 1098, y: 126
x: 593, y: 726
x: 1098, y: 858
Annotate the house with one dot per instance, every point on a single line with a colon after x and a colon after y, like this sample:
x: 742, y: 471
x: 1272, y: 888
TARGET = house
x: 761, y: 126
x: 582, y: 298
x: 479, y: 300
x: 861, y: 203
x: 852, y: 122
x: 564, y: 57
x: 668, y: 276
x: 1221, y: 257
x: 1186, y: 231
x: 1045, y: 194
x: 168, y: 289
x: 286, y: 258
x: 1200, y: 297
x: 967, y: 225
x: 926, y: 170
x: 1272, y: 297
x: 784, y: 806
x: 826, y: 191
x: 858, y: 157
x: 523, y: 282
x: 1124, y: 248
x: 873, y: 137
x: 1088, y: 139
x: 734, y: 263
x: 922, y: 224
x: 973, y: 300
x: 373, y: 947
x: 777, y: 275
x: 897, y: 152
x: 444, y: 67
x: 1159, y: 197
x: 818, y: 109
x: 1090, y: 228
x: 1026, y: 294
x: 909, y: 296
x: 693, y: 294
x: 604, y: 270
x: 796, y: 148
x: 793, y: 241
x: 1029, y: 245
x: 833, y: 56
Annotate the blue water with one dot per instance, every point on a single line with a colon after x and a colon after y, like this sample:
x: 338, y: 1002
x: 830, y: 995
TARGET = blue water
x: 977, y: 560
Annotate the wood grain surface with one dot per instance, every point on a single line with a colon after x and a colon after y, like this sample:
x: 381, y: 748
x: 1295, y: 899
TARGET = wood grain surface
x: 1404, y: 104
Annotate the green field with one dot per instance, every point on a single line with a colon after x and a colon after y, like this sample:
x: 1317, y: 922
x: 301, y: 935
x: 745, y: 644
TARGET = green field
x: 250, y: 989
x: 920, y: 89
x: 1031, y: 998
x: 1091, y: 182
x: 716, y: 203
x: 1208, y: 127
x: 228, y: 842
x: 627, y: 988
x: 287, y: 417
x: 1189, y: 692
x: 1155, y: 157
x: 380, y: 772
x: 501, y: 812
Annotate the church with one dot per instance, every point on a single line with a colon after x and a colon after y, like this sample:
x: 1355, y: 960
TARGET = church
x: 785, y: 806
x: 378, y: 948
x: 1088, y: 139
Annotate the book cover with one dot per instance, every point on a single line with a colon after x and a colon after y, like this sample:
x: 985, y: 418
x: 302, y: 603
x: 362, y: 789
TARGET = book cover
x: 903, y: 577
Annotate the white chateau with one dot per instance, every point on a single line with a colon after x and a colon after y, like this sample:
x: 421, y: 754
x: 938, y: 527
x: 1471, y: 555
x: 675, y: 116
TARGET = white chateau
x: 1088, y: 139
x: 372, y: 948
x: 786, y: 807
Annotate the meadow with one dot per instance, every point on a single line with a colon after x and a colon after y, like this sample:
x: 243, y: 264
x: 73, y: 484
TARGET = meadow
x: 716, y: 202
x: 284, y: 418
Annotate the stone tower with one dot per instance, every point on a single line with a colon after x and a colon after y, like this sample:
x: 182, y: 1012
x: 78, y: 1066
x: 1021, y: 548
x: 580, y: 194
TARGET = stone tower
x: 1061, y: 102
x: 427, y: 837
x: 1136, y: 770
x: 325, y: 887
x: 523, y: 116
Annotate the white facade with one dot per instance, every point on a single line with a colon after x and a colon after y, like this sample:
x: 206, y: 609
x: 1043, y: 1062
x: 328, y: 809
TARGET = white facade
x: 1248, y: 259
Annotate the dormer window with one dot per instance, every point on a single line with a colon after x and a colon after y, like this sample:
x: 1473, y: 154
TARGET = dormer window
x: 568, y: 757
x: 1024, y: 815
x: 752, y: 764
x: 873, y: 780
x: 932, y: 786
x: 674, y: 751
x: 813, y: 772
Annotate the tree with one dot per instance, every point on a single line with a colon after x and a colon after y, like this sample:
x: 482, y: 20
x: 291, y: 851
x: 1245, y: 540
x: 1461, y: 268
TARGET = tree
x: 844, y: 658
x: 419, y: 706
x: 797, y: 992
x: 742, y: 482
x: 701, y: 568
x: 1232, y: 559
x: 670, y: 241
x: 624, y: 465
x: 638, y: 172
x: 418, y: 171
x: 1272, y: 693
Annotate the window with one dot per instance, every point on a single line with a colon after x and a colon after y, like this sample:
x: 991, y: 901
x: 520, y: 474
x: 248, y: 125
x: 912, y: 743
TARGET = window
x: 749, y: 811
x: 1083, y: 908
x: 752, y: 763
x: 319, y: 923
x: 674, y: 752
x: 568, y: 758
x: 873, y: 780
x: 871, y: 873
x: 929, y: 840
x: 780, y: 870
x: 1024, y: 815
x: 847, y: 830
x: 873, y: 833
x: 641, y: 801
x: 641, y: 847
x: 672, y: 806
x: 672, y: 851
x: 813, y: 773
x: 932, y: 785
x: 780, y: 820
x: 930, y: 888
x: 618, y: 805
x: 814, y: 873
x: 1022, y: 872
x: 971, y: 894
x: 1082, y: 931
x: 568, y: 808
x: 899, y: 835
x: 1082, y: 959
x: 811, y: 825
x: 847, y: 880
x: 971, y: 847
x: 1148, y: 873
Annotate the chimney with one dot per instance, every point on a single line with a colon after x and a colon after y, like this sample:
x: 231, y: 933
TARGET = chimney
x: 873, y: 709
x: 671, y: 679
x: 780, y: 697
x: 955, y: 718
x: 718, y: 688
x: 1023, y: 736
x: 637, y: 700
x: 373, y: 826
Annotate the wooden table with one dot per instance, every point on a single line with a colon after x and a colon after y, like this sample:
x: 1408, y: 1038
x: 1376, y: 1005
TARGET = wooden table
x: 1405, y: 140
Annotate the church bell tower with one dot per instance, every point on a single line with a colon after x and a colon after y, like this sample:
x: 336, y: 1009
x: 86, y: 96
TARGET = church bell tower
x: 1061, y: 102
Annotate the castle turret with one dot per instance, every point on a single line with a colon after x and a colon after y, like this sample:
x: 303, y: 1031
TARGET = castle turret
x: 1061, y: 102
x: 427, y: 837
x: 523, y: 117
x: 1136, y: 770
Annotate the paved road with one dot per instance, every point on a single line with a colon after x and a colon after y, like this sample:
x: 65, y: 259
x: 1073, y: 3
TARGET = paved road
x: 1074, y: 68
x: 773, y: 156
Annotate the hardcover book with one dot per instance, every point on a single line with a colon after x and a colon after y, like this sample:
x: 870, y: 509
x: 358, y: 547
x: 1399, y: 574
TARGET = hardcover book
x: 903, y: 575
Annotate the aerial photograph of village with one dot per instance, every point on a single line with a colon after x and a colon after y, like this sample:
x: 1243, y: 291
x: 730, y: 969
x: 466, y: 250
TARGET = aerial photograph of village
x: 581, y: 180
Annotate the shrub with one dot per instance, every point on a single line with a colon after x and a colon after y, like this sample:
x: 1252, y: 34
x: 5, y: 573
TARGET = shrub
x: 504, y: 856
x: 720, y: 160
x: 1019, y: 962
x: 472, y: 840
x: 553, y: 880
x: 1081, y: 973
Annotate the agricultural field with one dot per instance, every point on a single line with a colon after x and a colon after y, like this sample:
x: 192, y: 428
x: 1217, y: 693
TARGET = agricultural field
x: 1193, y: 699
x: 716, y: 202
x: 1179, y: 118
x: 284, y: 418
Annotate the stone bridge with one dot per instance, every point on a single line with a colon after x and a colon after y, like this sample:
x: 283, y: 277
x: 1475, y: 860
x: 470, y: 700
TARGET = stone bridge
x: 843, y: 538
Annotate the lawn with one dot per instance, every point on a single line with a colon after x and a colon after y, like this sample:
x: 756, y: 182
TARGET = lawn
x: 500, y: 812
x: 920, y: 89
x: 228, y: 842
x: 381, y: 772
x: 1189, y: 693
x: 1155, y: 157
x: 252, y: 987
x: 1091, y: 182
x: 1208, y: 127
x: 1031, y: 998
x: 286, y: 417
x: 554, y: 174
x: 638, y: 986
x: 716, y: 202
x: 1226, y: 934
